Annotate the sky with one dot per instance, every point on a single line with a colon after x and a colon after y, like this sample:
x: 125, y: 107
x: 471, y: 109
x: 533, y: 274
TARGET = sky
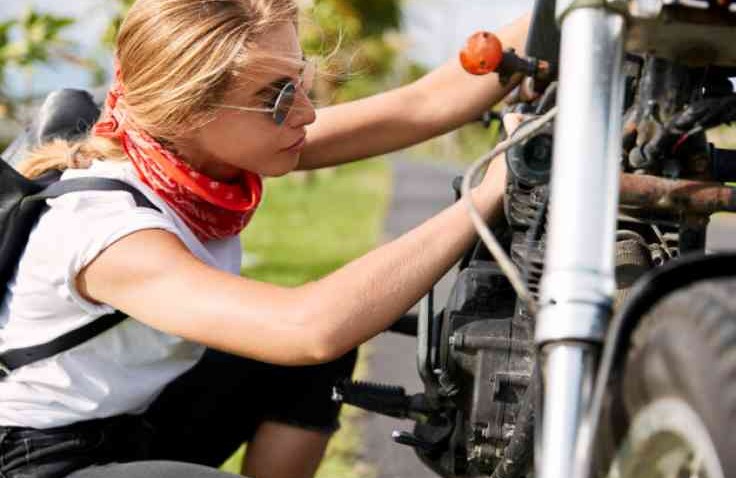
x: 92, y: 15
x: 436, y: 29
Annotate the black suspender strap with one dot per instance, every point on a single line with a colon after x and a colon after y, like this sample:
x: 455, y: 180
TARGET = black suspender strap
x: 15, y: 358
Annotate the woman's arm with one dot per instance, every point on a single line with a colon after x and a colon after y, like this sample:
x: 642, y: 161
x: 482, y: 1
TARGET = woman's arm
x: 444, y: 99
x: 151, y: 276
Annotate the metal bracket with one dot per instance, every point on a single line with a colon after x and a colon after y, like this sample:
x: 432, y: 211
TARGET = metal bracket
x: 4, y: 370
x: 566, y: 6
x: 583, y: 322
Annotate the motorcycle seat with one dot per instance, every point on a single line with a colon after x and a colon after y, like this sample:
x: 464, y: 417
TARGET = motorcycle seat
x: 65, y: 114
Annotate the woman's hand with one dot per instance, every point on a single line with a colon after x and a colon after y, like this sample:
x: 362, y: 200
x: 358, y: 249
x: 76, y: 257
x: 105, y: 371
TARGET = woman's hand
x: 493, y: 185
x: 511, y: 121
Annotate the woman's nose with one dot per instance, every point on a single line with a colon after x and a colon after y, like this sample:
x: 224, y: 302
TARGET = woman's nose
x: 304, y: 112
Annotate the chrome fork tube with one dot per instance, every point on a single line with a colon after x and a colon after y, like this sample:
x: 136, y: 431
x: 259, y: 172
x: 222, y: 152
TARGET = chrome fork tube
x: 579, y: 283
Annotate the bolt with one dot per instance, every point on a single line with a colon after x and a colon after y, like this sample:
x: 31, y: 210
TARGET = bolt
x: 475, y: 453
x: 699, y: 164
x: 637, y: 159
x: 456, y: 340
x: 336, y: 395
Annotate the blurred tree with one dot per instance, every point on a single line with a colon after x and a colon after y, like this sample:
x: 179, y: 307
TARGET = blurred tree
x: 355, y: 36
x: 27, y: 42
x: 4, y: 41
x: 355, y: 45
x: 358, y: 42
x: 121, y: 9
x: 357, y: 39
x: 377, y: 15
x: 99, y: 69
x: 39, y: 37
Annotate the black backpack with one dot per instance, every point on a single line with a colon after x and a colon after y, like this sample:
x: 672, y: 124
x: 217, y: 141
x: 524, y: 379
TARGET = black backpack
x: 66, y: 114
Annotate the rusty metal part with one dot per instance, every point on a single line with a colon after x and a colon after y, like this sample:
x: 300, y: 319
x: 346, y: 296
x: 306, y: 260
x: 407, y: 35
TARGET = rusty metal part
x: 691, y: 36
x: 545, y: 71
x: 676, y: 195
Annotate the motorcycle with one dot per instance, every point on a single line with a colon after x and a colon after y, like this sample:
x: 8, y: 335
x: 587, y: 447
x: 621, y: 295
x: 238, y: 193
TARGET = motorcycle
x: 592, y: 335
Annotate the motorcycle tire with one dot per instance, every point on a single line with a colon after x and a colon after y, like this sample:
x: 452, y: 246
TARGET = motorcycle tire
x: 679, y: 387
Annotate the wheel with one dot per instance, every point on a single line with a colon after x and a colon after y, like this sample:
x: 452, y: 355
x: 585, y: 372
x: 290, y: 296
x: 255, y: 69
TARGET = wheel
x: 679, y: 388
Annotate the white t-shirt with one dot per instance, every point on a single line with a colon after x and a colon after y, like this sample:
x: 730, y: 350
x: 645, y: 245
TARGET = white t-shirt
x: 121, y: 370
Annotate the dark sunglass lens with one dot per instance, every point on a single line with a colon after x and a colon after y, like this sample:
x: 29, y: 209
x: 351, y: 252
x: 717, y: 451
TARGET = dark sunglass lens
x: 284, y: 103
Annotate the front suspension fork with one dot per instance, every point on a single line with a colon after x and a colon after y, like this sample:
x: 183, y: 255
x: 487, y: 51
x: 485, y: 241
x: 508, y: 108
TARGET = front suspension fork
x: 579, y: 283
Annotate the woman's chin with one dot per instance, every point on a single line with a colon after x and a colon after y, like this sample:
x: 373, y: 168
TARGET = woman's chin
x: 280, y: 167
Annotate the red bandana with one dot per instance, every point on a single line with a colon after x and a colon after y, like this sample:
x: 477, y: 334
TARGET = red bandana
x: 212, y: 209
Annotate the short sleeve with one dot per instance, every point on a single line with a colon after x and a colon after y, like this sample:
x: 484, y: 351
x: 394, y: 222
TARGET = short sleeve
x: 77, y: 227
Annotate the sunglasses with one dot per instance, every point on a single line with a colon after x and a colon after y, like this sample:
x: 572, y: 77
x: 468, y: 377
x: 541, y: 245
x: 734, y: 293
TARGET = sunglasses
x: 285, y: 99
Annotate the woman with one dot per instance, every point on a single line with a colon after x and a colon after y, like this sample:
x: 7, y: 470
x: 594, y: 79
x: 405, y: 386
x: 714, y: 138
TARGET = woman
x: 211, y: 96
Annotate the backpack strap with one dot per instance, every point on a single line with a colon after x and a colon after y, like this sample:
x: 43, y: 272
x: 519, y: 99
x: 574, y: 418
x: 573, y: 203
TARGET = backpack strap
x: 16, y: 358
x: 64, y: 186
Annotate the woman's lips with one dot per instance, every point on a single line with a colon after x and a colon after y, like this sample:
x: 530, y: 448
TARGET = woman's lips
x: 297, y: 145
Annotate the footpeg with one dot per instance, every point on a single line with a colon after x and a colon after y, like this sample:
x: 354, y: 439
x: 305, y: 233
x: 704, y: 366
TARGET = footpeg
x: 378, y: 398
x: 406, y: 438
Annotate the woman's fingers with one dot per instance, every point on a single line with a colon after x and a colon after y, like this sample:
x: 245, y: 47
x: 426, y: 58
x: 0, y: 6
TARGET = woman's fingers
x: 511, y: 121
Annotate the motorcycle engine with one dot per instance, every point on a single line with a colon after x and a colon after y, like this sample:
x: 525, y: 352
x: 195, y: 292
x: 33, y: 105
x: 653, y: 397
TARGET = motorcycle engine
x: 484, y: 367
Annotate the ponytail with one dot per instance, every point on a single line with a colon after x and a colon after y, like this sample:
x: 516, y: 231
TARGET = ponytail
x: 60, y: 155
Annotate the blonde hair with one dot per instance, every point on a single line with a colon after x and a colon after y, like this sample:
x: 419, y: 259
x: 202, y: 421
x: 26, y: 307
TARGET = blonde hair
x: 177, y: 58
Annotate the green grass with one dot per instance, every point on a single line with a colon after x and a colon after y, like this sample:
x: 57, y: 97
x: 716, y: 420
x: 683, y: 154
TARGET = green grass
x: 723, y: 136
x: 310, y: 227
x: 305, y: 229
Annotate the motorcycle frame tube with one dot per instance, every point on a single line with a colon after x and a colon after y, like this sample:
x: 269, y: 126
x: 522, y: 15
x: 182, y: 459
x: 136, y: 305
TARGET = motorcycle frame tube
x: 578, y: 283
x: 424, y: 339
